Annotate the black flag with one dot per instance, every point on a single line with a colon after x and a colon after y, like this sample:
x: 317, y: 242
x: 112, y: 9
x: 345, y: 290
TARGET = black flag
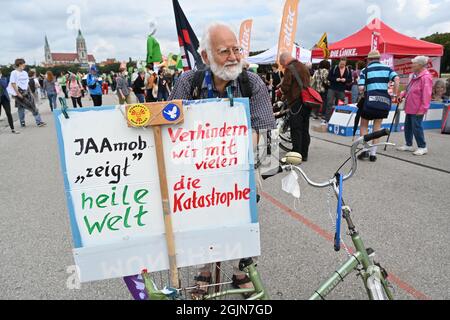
x: 188, y: 41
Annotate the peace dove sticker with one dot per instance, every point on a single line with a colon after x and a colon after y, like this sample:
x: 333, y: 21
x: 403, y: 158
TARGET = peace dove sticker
x: 171, y: 112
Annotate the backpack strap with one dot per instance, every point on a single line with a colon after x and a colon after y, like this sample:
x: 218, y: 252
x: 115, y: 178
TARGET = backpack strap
x: 199, y: 77
x: 244, y: 85
x: 197, y: 83
x: 299, y: 80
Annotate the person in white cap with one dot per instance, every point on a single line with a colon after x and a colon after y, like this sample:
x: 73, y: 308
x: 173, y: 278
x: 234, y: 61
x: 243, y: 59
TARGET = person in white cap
x: 418, y: 97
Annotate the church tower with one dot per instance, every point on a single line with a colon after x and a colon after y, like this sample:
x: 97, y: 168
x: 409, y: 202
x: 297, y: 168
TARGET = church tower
x: 48, y: 54
x: 81, y: 49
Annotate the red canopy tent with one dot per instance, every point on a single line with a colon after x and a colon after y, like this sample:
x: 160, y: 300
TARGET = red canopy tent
x: 392, y: 42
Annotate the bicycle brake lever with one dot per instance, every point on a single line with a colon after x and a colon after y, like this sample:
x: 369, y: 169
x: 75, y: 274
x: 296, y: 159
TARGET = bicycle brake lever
x: 384, y: 144
x: 369, y: 145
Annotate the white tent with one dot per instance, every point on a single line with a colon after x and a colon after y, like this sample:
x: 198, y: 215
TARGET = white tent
x: 269, y: 56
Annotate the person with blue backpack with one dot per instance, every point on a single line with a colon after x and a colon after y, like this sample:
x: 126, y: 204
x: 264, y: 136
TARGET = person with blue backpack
x: 374, y: 83
x: 94, y: 83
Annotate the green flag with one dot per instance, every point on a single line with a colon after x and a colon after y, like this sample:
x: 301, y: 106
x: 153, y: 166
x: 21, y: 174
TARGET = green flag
x: 153, y: 50
x: 174, y: 61
x: 179, y: 63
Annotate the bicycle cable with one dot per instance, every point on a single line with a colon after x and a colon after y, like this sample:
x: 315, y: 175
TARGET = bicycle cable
x: 330, y: 191
x: 350, y: 158
x: 333, y: 220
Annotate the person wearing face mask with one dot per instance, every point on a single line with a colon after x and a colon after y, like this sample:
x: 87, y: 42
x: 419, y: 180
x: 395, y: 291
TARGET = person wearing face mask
x: 222, y: 55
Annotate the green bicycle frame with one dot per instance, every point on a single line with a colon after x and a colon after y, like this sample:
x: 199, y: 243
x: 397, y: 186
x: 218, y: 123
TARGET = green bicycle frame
x: 360, y: 258
x: 258, y: 292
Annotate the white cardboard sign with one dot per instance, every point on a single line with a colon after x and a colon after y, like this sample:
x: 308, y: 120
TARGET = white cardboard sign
x: 113, y: 194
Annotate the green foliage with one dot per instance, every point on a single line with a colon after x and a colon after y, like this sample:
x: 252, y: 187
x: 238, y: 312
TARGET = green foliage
x: 6, y: 71
x: 112, y: 67
x: 443, y: 39
x: 255, y: 53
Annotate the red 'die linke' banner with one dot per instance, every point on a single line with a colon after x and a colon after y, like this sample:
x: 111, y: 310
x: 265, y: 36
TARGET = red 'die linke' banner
x: 288, y: 27
x: 375, y: 41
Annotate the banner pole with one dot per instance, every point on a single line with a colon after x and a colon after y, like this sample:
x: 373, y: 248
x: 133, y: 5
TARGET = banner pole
x: 392, y: 126
x: 170, y: 239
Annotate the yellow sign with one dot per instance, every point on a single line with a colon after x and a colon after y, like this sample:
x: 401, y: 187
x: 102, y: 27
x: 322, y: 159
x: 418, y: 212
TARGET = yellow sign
x: 154, y: 114
x: 138, y: 115
x: 323, y: 44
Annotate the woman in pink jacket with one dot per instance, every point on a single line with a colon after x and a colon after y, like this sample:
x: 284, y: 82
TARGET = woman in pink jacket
x: 418, y: 98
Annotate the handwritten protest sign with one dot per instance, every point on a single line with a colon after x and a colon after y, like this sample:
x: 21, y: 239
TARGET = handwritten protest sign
x: 113, y: 191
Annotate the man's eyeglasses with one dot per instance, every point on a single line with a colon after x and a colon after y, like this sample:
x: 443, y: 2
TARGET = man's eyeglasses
x: 226, y: 52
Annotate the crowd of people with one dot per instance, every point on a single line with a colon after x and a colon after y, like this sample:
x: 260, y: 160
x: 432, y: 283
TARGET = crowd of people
x: 344, y: 84
x: 30, y: 89
x: 333, y: 83
x: 226, y: 70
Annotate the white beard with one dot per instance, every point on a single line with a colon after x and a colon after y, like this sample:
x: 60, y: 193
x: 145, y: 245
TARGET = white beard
x: 229, y: 72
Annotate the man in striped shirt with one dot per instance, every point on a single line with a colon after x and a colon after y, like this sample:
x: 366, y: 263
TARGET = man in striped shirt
x: 377, y: 84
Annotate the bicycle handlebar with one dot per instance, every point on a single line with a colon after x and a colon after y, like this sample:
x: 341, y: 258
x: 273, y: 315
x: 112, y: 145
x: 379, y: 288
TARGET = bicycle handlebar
x: 376, y: 135
x: 362, y: 140
x: 272, y: 173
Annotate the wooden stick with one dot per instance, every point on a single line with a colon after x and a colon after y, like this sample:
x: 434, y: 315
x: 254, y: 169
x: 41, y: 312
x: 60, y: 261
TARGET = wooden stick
x: 218, y: 265
x: 170, y: 239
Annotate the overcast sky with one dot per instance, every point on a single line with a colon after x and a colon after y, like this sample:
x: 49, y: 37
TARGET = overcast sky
x: 119, y: 28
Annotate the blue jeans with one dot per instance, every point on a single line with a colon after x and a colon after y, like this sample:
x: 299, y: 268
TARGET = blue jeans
x: 140, y: 97
x: 355, y: 93
x: 21, y: 111
x: 163, y: 96
x: 52, y: 100
x: 414, y: 127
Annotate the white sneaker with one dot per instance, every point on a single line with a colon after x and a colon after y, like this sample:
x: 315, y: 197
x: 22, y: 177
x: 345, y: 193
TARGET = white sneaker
x: 421, y: 152
x: 406, y: 148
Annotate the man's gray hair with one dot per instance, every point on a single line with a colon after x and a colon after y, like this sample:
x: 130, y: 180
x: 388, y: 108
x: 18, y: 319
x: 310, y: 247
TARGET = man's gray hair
x: 421, y: 60
x: 205, y: 43
x: 286, y: 58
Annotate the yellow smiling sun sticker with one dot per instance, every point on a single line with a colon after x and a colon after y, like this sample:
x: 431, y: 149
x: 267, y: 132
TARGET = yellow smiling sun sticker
x: 139, y: 115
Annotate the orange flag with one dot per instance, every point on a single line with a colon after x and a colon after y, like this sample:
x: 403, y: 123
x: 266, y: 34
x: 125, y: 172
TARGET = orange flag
x: 245, y: 35
x: 288, y: 27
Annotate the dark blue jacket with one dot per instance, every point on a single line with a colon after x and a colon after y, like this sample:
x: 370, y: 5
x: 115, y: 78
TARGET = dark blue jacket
x: 335, y: 74
x: 4, y: 83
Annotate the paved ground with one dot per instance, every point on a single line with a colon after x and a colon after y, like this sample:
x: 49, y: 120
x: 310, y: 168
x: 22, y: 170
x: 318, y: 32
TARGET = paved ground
x: 401, y: 209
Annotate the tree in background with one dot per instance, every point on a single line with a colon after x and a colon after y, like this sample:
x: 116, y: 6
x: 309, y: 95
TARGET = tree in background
x: 443, y: 39
x: 6, y: 70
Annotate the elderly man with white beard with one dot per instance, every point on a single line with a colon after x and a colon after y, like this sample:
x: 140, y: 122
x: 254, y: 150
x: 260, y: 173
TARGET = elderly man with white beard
x: 223, y: 57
